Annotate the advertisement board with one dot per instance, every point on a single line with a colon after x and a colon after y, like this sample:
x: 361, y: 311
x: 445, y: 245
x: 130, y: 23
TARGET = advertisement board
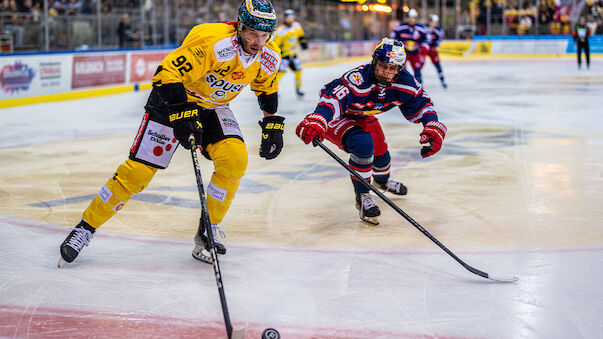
x: 34, y: 75
x: 98, y: 70
x: 525, y: 46
x: 143, y: 65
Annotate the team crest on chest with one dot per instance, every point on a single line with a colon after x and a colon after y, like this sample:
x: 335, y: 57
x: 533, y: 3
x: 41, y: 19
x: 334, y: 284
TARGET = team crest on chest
x: 356, y: 78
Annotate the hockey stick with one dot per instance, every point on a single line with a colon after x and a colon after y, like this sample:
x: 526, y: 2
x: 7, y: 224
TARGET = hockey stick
x: 205, y: 223
x: 471, y: 269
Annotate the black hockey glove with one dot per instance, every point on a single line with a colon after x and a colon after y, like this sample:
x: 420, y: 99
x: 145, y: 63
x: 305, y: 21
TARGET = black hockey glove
x: 272, y: 136
x: 185, y: 122
x: 303, y: 42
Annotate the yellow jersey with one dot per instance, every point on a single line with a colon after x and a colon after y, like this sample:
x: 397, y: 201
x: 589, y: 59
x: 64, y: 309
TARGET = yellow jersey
x: 287, y: 38
x: 213, y: 69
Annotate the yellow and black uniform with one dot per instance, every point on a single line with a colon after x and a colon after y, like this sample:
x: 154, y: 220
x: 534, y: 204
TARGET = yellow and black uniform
x: 205, y: 74
x: 289, y: 39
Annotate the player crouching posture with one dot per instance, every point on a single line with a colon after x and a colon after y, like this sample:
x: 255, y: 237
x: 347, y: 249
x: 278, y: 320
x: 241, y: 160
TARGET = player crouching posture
x: 191, y: 91
x: 345, y: 116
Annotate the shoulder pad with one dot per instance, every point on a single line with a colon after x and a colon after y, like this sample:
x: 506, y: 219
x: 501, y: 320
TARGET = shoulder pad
x: 407, y: 83
x: 226, y: 49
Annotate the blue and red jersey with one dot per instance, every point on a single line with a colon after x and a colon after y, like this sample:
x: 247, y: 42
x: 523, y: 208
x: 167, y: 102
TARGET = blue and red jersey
x: 413, y: 37
x: 355, y: 94
x: 434, y: 36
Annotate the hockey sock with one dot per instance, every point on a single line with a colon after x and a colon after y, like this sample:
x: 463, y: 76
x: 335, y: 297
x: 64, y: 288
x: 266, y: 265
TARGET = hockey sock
x: 439, y: 68
x: 131, y: 177
x: 359, y: 144
x: 298, y: 78
x: 381, y: 167
x: 230, y: 162
x: 364, y: 167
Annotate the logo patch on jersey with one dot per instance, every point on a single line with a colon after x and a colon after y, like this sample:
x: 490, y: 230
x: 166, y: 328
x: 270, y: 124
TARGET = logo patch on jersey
x: 225, y: 49
x: 238, y: 75
x: 197, y: 53
x: 226, y: 53
x: 269, y: 61
x: 222, y: 84
x: 411, y: 45
x: 356, y: 78
x: 218, y: 95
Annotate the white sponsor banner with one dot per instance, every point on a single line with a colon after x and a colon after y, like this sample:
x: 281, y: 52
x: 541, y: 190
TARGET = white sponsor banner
x: 526, y: 46
x: 34, y: 75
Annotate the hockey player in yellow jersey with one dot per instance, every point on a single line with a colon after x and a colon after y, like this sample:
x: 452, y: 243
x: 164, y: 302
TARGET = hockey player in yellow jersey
x: 191, y: 91
x: 289, y: 38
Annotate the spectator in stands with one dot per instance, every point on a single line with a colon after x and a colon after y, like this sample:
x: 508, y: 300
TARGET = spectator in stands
x: 73, y: 7
x: 88, y: 7
x: 12, y: 22
x: 525, y: 25
x: 127, y: 36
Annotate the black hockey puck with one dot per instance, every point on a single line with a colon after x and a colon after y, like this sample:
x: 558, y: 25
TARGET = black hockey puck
x: 270, y: 333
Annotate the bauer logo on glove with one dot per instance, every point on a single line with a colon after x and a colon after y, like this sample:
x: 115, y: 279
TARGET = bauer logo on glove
x: 272, y: 136
x: 184, y: 115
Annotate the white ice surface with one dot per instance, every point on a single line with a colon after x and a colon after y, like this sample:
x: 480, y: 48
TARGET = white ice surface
x: 305, y: 292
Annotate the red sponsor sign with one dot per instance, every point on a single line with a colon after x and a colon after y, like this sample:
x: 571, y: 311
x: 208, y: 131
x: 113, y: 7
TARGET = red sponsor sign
x: 97, y: 70
x: 144, y: 65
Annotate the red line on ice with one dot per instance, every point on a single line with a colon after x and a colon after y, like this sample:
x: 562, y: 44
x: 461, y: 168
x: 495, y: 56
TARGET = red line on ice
x: 47, y: 322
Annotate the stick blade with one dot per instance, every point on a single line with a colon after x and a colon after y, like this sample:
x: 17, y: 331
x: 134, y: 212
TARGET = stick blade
x: 503, y: 280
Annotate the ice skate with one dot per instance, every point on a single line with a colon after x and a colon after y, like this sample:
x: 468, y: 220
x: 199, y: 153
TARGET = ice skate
x: 393, y: 187
x: 201, y: 251
x: 79, y: 237
x: 367, y: 208
x: 299, y: 92
x: 443, y: 83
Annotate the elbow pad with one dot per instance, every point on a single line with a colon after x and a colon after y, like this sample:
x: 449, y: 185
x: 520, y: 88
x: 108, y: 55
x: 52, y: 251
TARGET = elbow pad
x: 268, y: 102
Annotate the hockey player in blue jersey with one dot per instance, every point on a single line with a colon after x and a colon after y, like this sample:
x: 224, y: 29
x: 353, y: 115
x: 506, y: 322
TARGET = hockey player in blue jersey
x: 345, y: 115
x: 414, y: 37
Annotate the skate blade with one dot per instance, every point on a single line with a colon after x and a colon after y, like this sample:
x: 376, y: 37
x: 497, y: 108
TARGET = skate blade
x: 370, y: 220
x: 62, y: 262
x: 199, y: 253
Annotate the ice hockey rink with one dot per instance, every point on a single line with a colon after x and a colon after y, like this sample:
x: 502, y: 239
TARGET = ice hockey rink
x: 516, y: 191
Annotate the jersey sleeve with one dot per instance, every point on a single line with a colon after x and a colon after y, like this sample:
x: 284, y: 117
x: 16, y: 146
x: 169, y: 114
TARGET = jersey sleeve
x: 335, y: 97
x: 423, y: 37
x: 417, y: 106
x: 186, y: 63
x: 265, y: 82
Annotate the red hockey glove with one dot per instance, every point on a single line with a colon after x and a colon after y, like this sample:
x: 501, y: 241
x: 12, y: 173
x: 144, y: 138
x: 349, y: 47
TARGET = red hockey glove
x: 433, y: 133
x: 314, y: 125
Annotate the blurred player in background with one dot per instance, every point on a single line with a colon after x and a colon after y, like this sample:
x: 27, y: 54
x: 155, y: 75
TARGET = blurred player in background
x: 345, y: 115
x: 191, y: 91
x: 434, y: 38
x: 581, y: 34
x: 289, y: 38
x: 414, y: 38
